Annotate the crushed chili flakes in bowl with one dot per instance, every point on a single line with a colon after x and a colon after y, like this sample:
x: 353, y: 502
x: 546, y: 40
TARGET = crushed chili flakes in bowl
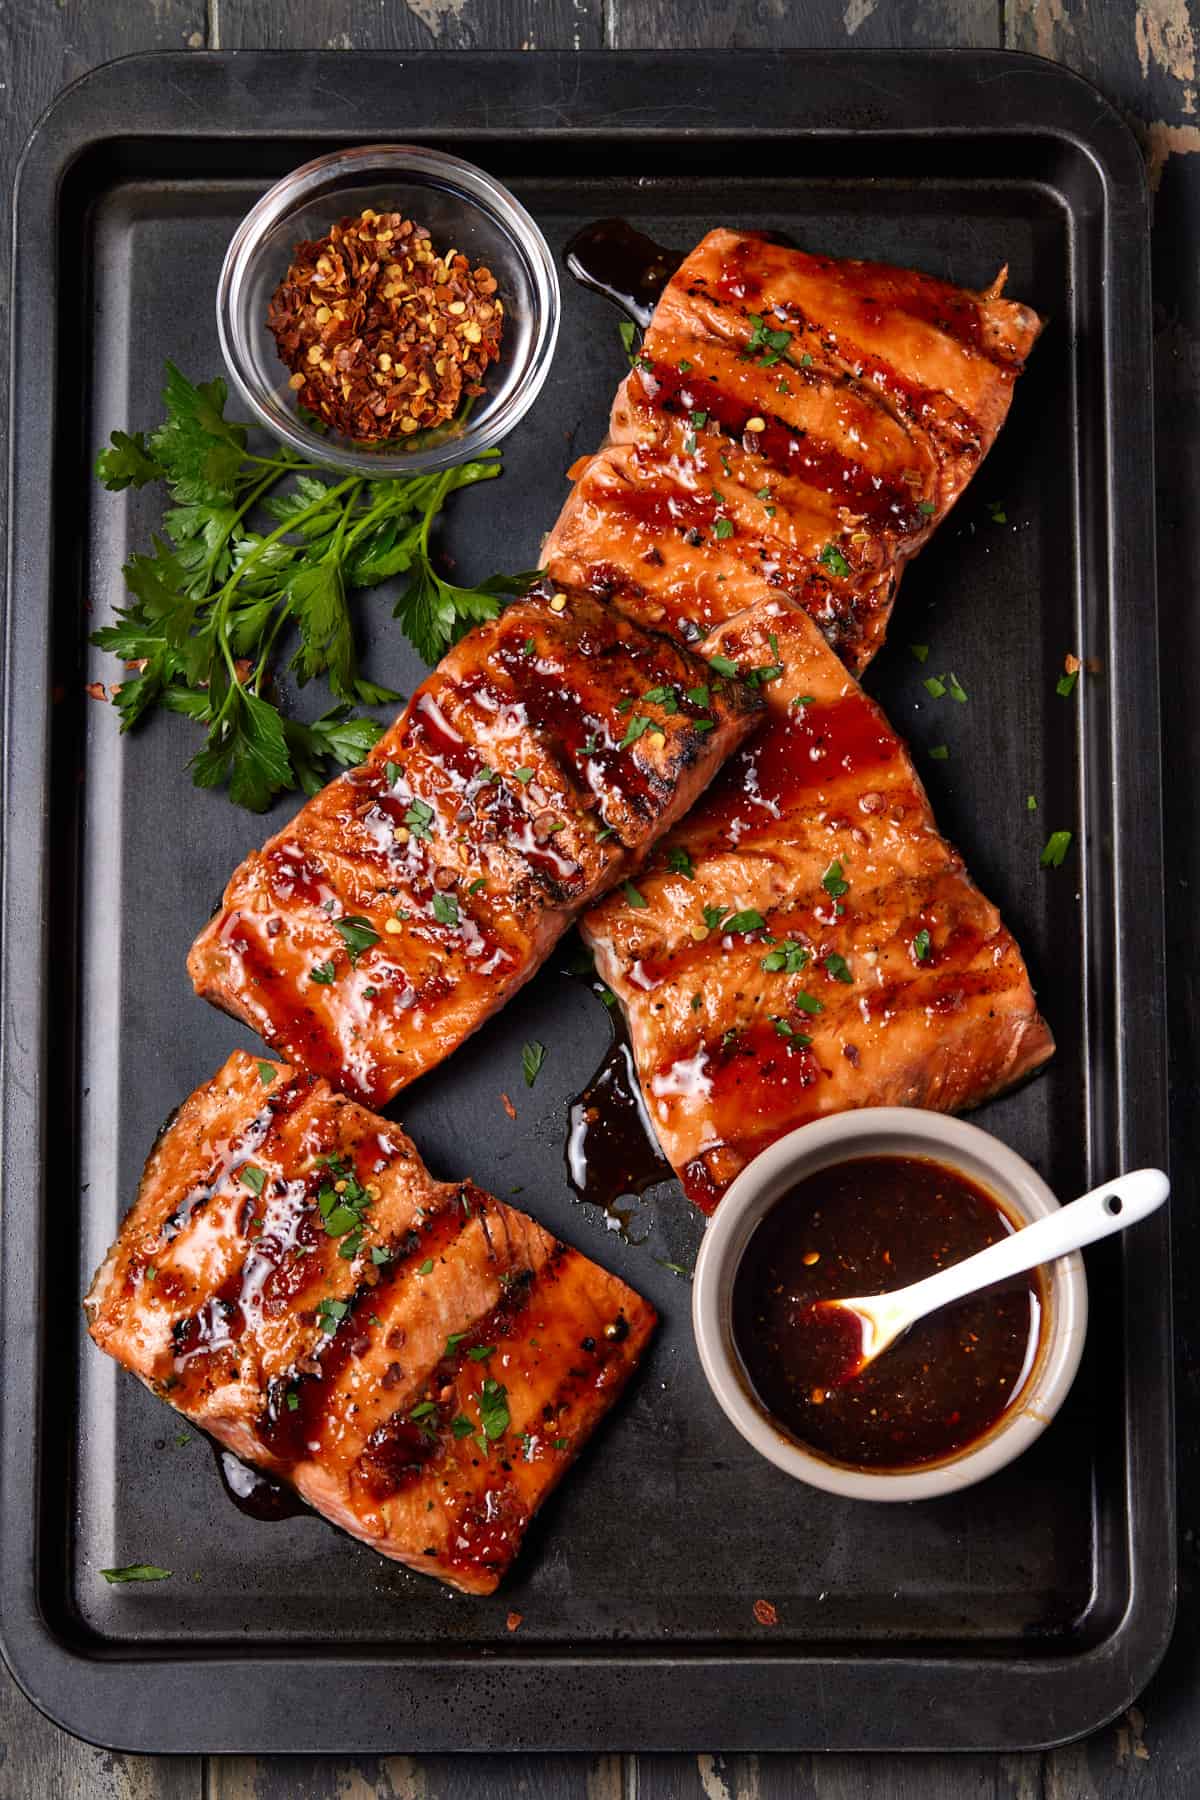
x: 384, y: 335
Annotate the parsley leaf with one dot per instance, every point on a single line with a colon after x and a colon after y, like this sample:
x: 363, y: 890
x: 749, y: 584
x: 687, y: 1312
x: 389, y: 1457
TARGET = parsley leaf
x: 839, y: 968
x: 493, y: 1409
x: 358, y: 934
x: 136, y: 1572
x: 921, y: 945
x: 210, y: 598
x: 834, y: 561
x: 680, y: 863
x: 721, y: 665
x: 1065, y: 684
x: 1057, y: 845
x: 324, y: 974
x: 740, y: 923
x: 532, y: 1058
x: 788, y: 958
x: 445, y: 909
x: 834, y: 881
x: 632, y: 895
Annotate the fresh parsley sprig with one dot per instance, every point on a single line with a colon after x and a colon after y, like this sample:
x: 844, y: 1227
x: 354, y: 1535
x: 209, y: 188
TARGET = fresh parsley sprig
x: 212, y: 598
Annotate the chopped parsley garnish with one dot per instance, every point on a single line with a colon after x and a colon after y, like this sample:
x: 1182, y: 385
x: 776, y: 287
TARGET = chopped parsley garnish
x: 834, y: 561
x: 426, y: 1267
x: 920, y: 651
x: 839, y: 968
x: 739, y: 923
x: 461, y: 1426
x: 788, y: 958
x: 788, y: 1030
x: 632, y: 895
x: 252, y: 1177
x: 1057, y: 845
x: 721, y: 665
x: 934, y: 686
x: 393, y: 772
x: 342, y: 1203
x: 699, y: 420
x: 684, y: 366
x: 266, y: 1073
x: 939, y: 753
x: 524, y: 776
x: 803, y: 700
x: 477, y: 886
x: 1031, y: 803
x: 713, y: 916
x: 806, y: 360
x: 637, y: 727
x: 1065, y: 684
x: 380, y: 1254
x: 928, y: 508
x: 697, y: 1002
x: 627, y: 332
x: 493, y: 1409
x: 680, y: 863
x: 723, y: 528
x: 136, y: 1572
x: 771, y: 342
x: 423, y: 1409
x: 807, y: 1002
x: 481, y: 1352
x: 331, y: 1313
x: 921, y: 945
x: 358, y: 934
x: 445, y: 909
x: 324, y: 974
x: 529, y: 648
x: 453, y: 1341
x: 997, y: 513
x: 666, y: 697
x: 703, y: 725
x: 532, y: 1057
x: 293, y: 1400
x: 957, y: 691
x: 419, y: 818
x: 699, y: 696
x: 834, y: 881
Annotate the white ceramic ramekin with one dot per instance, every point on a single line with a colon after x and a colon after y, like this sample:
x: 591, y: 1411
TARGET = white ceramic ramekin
x: 885, y: 1131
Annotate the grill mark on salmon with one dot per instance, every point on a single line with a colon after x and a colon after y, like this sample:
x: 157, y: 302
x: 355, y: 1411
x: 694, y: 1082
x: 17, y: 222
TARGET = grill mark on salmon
x: 528, y: 774
x: 341, y: 1360
x: 865, y: 967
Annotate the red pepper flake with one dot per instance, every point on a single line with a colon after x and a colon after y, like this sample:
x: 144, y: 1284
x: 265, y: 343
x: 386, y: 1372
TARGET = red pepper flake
x: 384, y: 335
x: 508, y: 1106
x: 96, y: 690
x: 513, y: 1620
x: 765, y: 1613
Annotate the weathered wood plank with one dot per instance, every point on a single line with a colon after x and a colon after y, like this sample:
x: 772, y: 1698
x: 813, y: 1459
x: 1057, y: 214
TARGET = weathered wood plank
x: 839, y: 1778
x: 416, y: 1778
x: 818, y: 24
x: 408, y: 25
x: 1144, y: 59
x: 40, y: 1762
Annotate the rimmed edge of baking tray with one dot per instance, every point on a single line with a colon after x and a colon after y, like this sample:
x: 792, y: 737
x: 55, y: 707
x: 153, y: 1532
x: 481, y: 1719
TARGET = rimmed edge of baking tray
x: 637, y: 1697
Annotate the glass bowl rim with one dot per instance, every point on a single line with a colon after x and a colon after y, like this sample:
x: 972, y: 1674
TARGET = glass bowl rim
x: 482, y: 192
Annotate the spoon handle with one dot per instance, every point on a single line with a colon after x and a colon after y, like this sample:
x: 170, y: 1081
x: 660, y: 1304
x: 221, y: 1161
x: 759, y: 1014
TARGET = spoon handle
x: 1094, y: 1215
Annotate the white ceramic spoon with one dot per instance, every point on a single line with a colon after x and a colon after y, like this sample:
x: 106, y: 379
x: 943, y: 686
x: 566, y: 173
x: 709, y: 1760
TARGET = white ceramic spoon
x: 882, y: 1317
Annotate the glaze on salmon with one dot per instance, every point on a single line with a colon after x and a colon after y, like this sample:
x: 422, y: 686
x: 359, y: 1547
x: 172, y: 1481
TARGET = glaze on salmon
x: 806, y: 941
x: 421, y: 1362
x: 411, y: 897
x: 795, y: 425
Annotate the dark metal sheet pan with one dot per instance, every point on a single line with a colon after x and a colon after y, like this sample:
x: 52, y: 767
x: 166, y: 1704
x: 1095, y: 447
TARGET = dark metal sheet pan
x: 1023, y: 1612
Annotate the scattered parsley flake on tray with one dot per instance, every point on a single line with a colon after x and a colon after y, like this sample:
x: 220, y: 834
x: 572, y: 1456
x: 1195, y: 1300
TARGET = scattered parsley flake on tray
x: 532, y: 1058
x: 1057, y: 845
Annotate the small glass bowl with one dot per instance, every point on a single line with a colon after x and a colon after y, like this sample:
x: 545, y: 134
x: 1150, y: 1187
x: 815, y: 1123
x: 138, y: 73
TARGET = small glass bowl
x: 459, y: 206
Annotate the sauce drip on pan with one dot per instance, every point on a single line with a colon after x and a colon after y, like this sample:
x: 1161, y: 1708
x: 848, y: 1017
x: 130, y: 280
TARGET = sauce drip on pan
x: 870, y: 1226
x: 611, y: 1150
x: 624, y: 265
x: 255, y: 1493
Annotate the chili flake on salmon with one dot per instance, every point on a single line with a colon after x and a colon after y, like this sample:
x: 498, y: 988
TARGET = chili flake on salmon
x: 421, y: 1362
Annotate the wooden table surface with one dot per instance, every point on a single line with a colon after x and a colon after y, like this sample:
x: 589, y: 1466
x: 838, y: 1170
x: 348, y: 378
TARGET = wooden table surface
x: 1144, y: 57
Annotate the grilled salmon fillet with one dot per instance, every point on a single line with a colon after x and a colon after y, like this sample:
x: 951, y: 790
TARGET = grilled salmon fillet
x: 806, y: 941
x: 413, y: 895
x: 420, y: 1361
x: 793, y: 424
